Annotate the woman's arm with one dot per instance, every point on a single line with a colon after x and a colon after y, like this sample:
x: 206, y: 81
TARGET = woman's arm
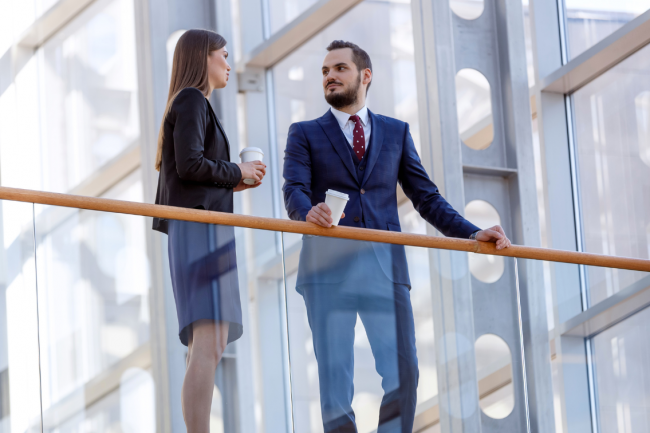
x: 189, y: 136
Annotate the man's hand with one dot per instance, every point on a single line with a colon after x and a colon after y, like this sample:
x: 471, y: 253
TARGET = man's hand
x: 494, y: 234
x: 241, y: 186
x: 321, y: 215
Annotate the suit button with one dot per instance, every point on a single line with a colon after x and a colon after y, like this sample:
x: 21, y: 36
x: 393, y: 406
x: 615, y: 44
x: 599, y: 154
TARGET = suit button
x: 363, y: 191
x: 361, y: 168
x: 357, y: 219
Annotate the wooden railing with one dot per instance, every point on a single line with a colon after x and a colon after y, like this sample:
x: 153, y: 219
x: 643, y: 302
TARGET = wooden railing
x: 288, y: 226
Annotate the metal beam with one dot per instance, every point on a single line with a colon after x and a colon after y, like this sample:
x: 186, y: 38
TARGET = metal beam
x: 53, y: 20
x: 609, y: 312
x: 297, y: 32
x: 600, y: 58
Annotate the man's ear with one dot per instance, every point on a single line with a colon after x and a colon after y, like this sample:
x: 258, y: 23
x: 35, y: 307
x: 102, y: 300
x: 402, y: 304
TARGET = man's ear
x: 367, y: 76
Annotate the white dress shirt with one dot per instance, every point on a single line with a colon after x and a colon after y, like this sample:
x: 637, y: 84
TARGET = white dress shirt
x: 347, y: 126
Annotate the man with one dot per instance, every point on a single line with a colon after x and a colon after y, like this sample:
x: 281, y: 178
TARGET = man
x: 354, y: 151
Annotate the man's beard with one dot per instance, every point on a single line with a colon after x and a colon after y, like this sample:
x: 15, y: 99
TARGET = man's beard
x: 344, y: 99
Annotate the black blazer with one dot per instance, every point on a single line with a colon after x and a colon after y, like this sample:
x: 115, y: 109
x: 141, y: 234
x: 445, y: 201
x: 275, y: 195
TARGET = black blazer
x: 196, y: 171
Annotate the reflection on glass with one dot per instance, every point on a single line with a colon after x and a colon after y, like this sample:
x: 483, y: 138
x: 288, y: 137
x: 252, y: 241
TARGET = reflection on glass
x: 94, y: 282
x: 622, y: 356
x: 20, y: 408
x: 282, y: 12
x: 588, y: 21
x: 474, y: 108
x: 89, y: 94
x: 611, y: 123
x: 352, y: 337
x: 298, y: 81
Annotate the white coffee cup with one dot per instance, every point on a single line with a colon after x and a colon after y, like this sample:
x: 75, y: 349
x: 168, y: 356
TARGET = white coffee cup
x: 250, y: 154
x: 336, y: 201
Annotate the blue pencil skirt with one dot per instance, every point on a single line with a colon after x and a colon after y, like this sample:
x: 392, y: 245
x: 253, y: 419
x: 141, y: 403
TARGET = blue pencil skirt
x: 203, y: 265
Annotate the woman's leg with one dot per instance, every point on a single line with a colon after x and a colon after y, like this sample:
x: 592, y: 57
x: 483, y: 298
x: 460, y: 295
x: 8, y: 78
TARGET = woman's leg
x: 207, y: 343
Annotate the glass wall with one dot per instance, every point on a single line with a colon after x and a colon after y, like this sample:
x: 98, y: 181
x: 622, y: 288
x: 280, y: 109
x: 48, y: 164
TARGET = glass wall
x: 612, y: 131
x: 298, y: 82
x: 89, y: 94
x: 621, y: 357
x: 588, y: 21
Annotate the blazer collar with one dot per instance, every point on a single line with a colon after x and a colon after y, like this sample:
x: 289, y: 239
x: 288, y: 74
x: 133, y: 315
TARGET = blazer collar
x: 376, y: 142
x: 332, y: 129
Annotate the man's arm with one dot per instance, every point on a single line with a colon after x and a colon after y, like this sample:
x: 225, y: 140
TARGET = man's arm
x: 433, y: 207
x: 297, y: 174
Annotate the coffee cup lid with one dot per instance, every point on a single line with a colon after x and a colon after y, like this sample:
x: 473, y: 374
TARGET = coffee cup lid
x: 337, y: 194
x: 252, y: 149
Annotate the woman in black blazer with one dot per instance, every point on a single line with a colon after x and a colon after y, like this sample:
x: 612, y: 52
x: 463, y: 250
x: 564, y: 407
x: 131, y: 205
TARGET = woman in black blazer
x: 195, y: 172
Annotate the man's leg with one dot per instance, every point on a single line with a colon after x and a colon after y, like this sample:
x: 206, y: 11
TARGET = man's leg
x: 387, y: 315
x: 332, y: 314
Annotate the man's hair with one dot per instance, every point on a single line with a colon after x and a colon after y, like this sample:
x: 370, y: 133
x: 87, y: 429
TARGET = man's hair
x: 359, y: 56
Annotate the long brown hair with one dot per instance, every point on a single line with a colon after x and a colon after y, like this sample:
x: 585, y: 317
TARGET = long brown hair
x: 189, y: 69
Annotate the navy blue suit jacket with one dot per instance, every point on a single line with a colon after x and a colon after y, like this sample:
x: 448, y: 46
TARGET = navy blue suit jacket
x: 317, y: 159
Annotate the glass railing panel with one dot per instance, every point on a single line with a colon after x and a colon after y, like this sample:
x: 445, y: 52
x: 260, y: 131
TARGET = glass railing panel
x: 20, y: 408
x: 363, y: 348
x: 94, y: 282
x: 107, y: 309
x: 599, y: 354
x: 225, y: 292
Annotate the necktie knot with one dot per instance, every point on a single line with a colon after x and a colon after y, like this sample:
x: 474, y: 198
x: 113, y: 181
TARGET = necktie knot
x: 355, y: 118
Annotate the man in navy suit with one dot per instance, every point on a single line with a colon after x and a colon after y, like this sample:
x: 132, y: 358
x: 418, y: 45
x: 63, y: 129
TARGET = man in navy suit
x: 365, y: 155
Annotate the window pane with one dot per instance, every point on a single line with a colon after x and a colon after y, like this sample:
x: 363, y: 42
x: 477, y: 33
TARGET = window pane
x: 622, y: 356
x: 282, y: 12
x: 89, y: 95
x: 298, y: 81
x: 612, y: 118
x: 588, y: 21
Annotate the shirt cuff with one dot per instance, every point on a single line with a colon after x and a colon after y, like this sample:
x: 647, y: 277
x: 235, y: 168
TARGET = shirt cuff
x: 473, y: 235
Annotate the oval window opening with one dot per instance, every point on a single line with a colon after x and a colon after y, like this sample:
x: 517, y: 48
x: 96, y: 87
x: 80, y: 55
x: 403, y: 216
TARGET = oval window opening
x: 467, y: 9
x: 474, y: 109
x: 485, y: 268
x: 494, y: 375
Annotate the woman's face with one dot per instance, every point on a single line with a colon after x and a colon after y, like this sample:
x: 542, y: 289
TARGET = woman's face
x: 218, y: 68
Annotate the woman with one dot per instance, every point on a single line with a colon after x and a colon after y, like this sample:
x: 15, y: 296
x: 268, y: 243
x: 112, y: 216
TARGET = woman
x: 195, y: 172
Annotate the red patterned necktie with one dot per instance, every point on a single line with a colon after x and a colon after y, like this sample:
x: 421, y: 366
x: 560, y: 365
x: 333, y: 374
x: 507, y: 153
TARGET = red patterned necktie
x: 358, y: 137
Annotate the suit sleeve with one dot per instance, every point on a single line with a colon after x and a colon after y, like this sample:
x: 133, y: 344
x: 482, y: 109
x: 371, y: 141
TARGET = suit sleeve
x: 297, y: 174
x: 426, y: 198
x: 189, y: 136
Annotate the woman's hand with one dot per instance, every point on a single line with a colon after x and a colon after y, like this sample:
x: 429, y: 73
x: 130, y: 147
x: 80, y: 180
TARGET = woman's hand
x: 252, y: 170
x: 241, y: 186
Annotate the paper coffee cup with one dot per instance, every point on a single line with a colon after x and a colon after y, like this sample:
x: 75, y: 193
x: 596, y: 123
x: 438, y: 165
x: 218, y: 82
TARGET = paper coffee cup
x: 336, y: 201
x: 250, y: 154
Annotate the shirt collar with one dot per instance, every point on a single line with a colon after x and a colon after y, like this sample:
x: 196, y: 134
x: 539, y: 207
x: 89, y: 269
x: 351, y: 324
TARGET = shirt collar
x: 342, y: 118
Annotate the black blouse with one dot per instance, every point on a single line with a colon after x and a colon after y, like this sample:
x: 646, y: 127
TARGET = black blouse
x: 196, y: 171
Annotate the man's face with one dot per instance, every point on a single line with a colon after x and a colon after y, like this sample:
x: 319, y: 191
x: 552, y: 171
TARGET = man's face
x: 341, y: 79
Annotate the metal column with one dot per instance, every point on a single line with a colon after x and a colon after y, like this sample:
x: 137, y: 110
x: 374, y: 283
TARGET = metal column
x: 503, y: 175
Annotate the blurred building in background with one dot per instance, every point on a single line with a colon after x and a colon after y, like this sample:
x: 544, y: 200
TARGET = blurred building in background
x: 83, y: 85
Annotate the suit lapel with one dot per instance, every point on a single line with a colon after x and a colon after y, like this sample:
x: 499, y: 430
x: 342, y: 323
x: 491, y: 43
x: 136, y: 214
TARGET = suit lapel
x: 376, y: 141
x: 333, y: 131
x: 216, y: 119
